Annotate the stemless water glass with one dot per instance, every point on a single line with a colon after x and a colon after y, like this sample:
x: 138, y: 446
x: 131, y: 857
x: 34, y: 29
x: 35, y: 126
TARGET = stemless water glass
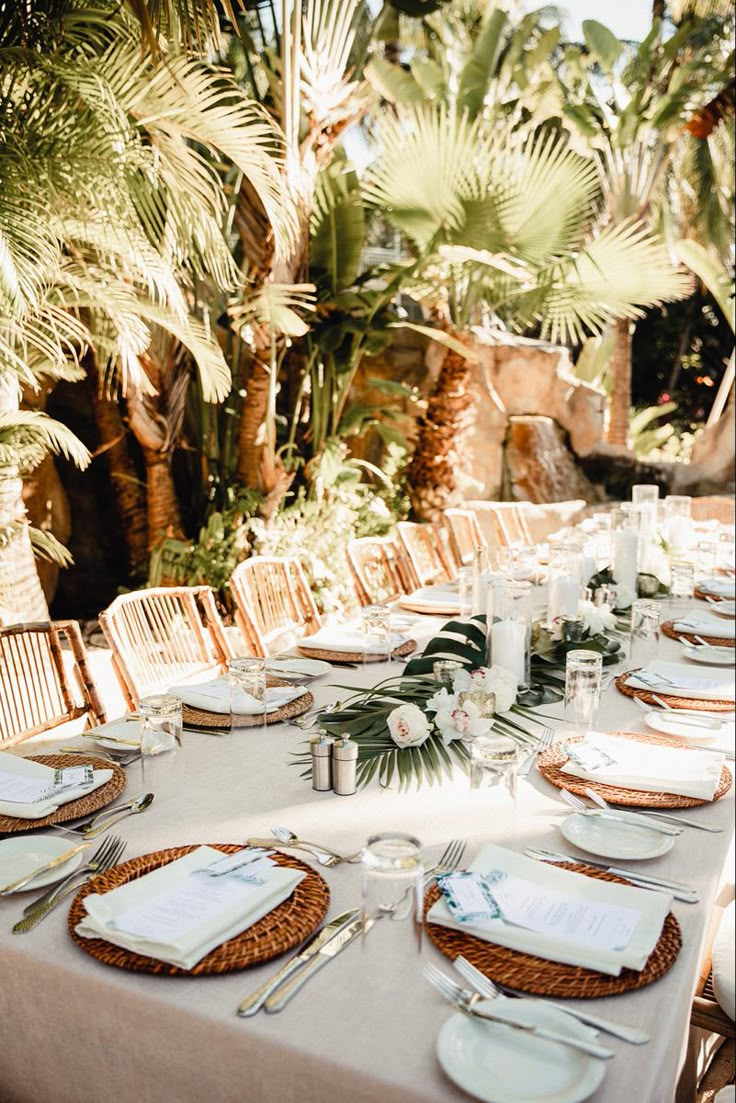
x: 160, y: 723
x: 494, y: 759
x: 682, y: 586
x: 644, y: 632
x: 466, y: 591
x: 583, y: 675
x: 246, y: 676
x: 392, y: 875
x: 705, y: 559
x: 376, y: 628
x: 725, y: 558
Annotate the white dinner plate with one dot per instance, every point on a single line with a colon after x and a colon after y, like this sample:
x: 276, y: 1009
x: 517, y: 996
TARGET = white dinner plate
x: 684, y: 727
x: 24, y: 853
x: 301, y: 669
x: 498, y: 1064
x: 713, y: 656
x: 723, y: 608
x: 612, y: 839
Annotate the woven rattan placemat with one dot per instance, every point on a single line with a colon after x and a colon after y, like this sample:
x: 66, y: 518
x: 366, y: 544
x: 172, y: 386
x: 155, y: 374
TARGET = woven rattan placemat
x: 356, y: 656
x: 668, y: 627
x: 551, y: 978
x: 550, y: 762
x: 84, y: 806
x: 287, y: 926
x: 704, y: 595
x: 693, y: 704
x: 220, y: 721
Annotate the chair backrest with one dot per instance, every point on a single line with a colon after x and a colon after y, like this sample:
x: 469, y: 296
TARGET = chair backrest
x: 510, y: 523
x: 713, y: 507
x: 422, y: 547
x: 273, y: 603
x: 379, y: 569
x: 164, y: 636
x: 465, y: 533
x: 36, y: 692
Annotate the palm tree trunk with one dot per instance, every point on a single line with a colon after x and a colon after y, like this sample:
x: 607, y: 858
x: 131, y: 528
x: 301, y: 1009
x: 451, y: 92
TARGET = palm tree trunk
x: 432, y: 476
x: 704, y: 121
x: 620, y: 407
x: 164, y: 515
x: 21, y: 595
x: 128, y: 491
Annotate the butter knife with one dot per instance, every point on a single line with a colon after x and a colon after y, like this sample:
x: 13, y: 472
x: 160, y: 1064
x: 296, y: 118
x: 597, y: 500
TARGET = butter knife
x: 256, y: 1000
x: 58, y: 861
x: 343, y: 938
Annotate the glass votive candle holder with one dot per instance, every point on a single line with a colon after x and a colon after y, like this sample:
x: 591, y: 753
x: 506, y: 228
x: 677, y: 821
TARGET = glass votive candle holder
x: 572, y: 628
x: 647, y: 585
x: 443, y: 671
x: 484, y: 701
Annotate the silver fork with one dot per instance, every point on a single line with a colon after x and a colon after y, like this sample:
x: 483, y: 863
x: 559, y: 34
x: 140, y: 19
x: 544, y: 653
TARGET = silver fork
x: 447, y: 862
x: 112, y: 854
x: 545, y: 741
x: 464, y: 1000
x: 605, y: 812
x: 284, y: 835
x: 486, y: 987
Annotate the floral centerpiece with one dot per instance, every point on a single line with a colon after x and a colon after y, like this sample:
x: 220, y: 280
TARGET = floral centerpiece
x: 413, y: 730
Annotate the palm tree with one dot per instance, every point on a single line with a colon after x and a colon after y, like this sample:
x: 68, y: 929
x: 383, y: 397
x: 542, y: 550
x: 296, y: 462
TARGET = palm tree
x: 488, y: 243
x: 112, y: 208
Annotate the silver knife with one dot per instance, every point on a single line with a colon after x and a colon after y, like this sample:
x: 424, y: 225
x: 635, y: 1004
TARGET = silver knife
x: 46, y: 868
x: 676, y: 888
x: 256, y: 1000
x: 279, y: 1000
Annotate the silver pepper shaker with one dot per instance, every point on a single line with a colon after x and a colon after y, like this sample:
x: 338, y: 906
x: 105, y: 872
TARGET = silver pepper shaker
x: 321, y: 749
x: 344, y: 766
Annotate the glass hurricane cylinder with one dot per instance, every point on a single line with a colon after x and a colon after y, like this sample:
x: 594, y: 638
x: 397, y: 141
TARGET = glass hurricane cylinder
x: 566, y: 582
x: 678, y: 524
x: 510, y: 628
x: 625, y: 528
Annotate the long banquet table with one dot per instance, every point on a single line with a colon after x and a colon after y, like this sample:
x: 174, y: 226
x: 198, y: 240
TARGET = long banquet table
x: 364, y: 1029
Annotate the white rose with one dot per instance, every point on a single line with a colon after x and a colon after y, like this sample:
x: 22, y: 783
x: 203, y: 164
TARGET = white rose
x: 408, y: 726
x: 462, y: 723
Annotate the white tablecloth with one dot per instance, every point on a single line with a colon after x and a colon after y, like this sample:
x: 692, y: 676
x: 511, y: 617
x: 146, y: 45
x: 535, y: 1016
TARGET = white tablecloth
x: 364, y: 1029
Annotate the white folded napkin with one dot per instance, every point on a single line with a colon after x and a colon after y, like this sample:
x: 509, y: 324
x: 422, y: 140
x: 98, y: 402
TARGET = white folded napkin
x: 718, y: 587
x: 124, y: 729
x: 629, y: 764
x: 433, y: 597
x: 652, y: 906
x: 344, y: 638
x: 678, y: 679
x: 175, y: 917
x: 215, y: 697
x: 705, y: 626
x: 36, y: 771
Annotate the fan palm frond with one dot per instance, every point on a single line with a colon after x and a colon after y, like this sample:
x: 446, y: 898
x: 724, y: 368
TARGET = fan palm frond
x: 274, y: 305
x: 27, y: 435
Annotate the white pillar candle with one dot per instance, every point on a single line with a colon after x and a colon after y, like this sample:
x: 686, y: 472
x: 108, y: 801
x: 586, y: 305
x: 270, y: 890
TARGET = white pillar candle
x: 565, y: 592
x: 508, y: 647
x: 679, y: 533
x: 625, y: 558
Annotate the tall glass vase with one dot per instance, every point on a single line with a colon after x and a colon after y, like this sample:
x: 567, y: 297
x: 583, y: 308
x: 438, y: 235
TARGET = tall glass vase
x: 625, y: 526
x: 510, y: 628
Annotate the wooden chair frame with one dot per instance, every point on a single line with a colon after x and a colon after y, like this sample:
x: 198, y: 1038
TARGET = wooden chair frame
x: 143, y: 629
x: 423, y: 550
x: 35, y: 691
x: 465, y: 533
x: 272, y: 597
x: 511, y: 526
x: 378, y: 555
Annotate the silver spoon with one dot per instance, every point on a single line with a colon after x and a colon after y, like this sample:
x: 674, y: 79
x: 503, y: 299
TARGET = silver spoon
x: 91, y: 830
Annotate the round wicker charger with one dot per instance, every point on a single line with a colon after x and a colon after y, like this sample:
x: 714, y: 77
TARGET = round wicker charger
x: 550, y: 762
x: 668, y: 627
x: 693, y: 704
x: 84, y: 806
x: 356, y: 656
x: 705, y: 596
x: 220, y: 721
x: 540, y: 977
x: 287, y: 926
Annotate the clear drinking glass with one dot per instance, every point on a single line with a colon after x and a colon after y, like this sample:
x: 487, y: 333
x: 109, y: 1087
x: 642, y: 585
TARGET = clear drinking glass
x: 682, y: 586
x: 160, y: 723
x: 725, y: 557
x: 246, y: 676
x: 494, y: 760
x: 392, y: 876
x: 583, y: 675
x: 705, y: 559
x: 376, y: 628
x: 644, y: 632
x: 466, y: 591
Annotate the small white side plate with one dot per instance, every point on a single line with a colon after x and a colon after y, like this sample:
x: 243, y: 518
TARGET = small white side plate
x: 304, y: 669
x: 684, y: 727
x: 713, y: 656
x: 611, y: 839
x: 24, y: 853
x: 497, y: 1064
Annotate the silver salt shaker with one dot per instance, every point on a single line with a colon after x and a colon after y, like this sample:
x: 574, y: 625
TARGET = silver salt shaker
x: 344, y: 766
x: 321, y: 749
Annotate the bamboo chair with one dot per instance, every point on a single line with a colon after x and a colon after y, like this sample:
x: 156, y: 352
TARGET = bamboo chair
x: 713, y: 507
x: 706, y: 1012
x: 36, y: 694
x: 163, y: 636
x: 379, y: 569
x: 273, y: 603
x: 465, y: 533
x: 422, y: 546
x: 510, y: 523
